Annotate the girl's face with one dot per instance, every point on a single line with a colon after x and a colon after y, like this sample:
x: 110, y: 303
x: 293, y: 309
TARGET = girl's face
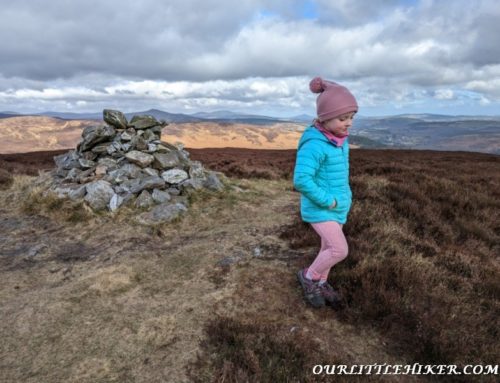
x: 340, y: 125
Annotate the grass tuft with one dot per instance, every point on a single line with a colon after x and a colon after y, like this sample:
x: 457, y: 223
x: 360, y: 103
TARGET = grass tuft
x: 236, y: 352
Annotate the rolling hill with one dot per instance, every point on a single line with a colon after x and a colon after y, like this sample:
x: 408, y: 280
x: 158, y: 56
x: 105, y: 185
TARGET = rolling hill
x: 223, y: 128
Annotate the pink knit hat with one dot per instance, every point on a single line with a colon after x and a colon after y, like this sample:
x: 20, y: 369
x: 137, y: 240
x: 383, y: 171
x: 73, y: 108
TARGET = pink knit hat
x: 334, y: 99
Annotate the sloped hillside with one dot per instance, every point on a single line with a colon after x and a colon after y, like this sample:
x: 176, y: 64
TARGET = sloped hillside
x: 32, y: 133
x: 37, y: 133
x: 213, y: 296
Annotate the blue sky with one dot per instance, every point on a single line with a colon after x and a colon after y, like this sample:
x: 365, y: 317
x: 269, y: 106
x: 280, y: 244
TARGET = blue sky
x: 251, y: 56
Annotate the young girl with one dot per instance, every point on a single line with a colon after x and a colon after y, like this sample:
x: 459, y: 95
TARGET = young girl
x: 321, y: 175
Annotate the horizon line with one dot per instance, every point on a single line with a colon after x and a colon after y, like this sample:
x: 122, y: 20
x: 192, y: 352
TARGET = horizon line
x: 253, y: 115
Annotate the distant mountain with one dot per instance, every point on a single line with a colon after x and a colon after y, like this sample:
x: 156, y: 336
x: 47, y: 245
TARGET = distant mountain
x: 179, y: 118
x: 240, y: 118
x: 307, y: 118
x: 408, y: 131
x: 70, y: 116
x: 226, y: 114
x: 366, y: 143
x: 169, y: 117
x: 443, y: 117
x: 474, y: 133
x: 8, y: 114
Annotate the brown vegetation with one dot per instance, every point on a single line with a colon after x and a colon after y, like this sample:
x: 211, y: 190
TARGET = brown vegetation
x: 421, y: 282
x: 424, y: 236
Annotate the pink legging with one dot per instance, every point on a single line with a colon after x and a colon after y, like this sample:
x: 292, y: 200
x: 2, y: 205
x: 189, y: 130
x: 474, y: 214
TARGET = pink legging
x: 333, y: 249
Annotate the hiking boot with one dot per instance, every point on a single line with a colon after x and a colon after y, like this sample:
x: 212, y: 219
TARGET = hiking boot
x: 311, y: 289
x: 331, y: 296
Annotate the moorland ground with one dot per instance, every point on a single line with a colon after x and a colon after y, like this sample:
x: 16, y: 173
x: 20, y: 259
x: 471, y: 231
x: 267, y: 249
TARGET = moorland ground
x: 213, y: 297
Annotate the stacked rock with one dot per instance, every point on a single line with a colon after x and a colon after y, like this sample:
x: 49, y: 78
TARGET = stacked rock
x: 122, y: 162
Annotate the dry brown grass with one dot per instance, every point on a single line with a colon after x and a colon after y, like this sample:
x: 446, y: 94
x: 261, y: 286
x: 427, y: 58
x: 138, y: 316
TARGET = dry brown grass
x: 424, y: 243
x: 105, y: 299
x: 6, y: 179
x: 102, y: 299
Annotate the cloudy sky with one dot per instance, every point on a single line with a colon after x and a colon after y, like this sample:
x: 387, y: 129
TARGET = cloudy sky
x: 253, y: 56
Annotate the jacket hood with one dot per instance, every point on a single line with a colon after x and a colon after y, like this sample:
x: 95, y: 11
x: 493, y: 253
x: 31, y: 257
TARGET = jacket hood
x: 311, y: 133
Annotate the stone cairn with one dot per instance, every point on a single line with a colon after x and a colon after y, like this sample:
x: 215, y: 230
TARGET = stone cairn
x: 126, y: 163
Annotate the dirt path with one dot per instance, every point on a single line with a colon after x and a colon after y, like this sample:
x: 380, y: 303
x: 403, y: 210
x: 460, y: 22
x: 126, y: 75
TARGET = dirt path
x: 108, y: 300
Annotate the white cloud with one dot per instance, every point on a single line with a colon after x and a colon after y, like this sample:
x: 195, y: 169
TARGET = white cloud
x: 490, y: 87
x: 185, y: 54
x: 444, y: 94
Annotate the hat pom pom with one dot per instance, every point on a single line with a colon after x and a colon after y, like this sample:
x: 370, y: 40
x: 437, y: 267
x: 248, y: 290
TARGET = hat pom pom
x: 316, y: 85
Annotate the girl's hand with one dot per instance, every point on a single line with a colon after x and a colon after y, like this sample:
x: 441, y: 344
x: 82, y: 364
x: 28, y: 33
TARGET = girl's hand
x: 333, y: 205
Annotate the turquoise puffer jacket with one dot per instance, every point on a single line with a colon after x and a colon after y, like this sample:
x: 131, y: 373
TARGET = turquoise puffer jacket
x: 321, y: 175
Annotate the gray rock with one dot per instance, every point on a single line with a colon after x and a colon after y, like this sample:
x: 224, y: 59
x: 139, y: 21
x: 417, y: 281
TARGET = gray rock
x: 138, y: 143
x: 183, y: 157
x: 108, y: 162
x: 165, y: 160
x: 143, y: 122
x: 149, y: 135
x: 138, y: 184
x: 132, y: 186
x: 158, y: 129
x: 152, y: 148
x: 161, y: 214
x: 59, y: 173
x: 71, y: 191
x: 117, y: 176
x: 86, y: 176
x: 131, y: 170
x: 78, y: 192
x: 166, y: 145
x: 174, y: 176
x: 37, y: 249
x: 152, y: 182
x: 192, y: 184
x: 182, y: 199
x: 67, y: 160
x: 151, y: 172
x: 115, y: 202
x: 115, y: 118
x: 144, y: 200
x: 160, y: 196
x: 90, y: 156
x: 99, y: 193
x: 162, y: 148
x: 118, y: 146
x: 212, y: 182
x: 111, y: 149
x: 127, y: 135
x: 101, y: 170
x: 196, y: 170
x: 120, y: 189
x: 128, y: 198
x: 173, y: 191
x: 73, y: 175
x: 257, y: 252
x: 86, y: 164
x: 103, y: 148
x: 139, y: 158
x: 95, y: 134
